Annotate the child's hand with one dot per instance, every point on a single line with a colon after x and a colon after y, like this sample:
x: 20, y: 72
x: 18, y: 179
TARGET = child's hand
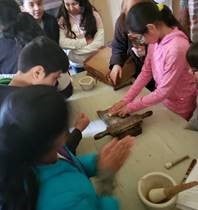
x: 81, y: 122
x: 114, y: 154
x: 116, y: 108
x: 123, y: 111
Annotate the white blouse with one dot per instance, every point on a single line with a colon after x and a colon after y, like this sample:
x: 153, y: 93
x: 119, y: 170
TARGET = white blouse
x: 78, y: 49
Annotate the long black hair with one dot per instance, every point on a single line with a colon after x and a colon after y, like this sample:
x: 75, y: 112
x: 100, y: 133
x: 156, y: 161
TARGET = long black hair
x: 88, y: 20
x: 31, y: 118
x: 17, y: 25
x: 145, y: 13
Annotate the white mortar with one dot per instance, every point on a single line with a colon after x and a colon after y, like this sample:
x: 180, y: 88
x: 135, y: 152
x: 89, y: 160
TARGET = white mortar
x: 87, y: 82
x: 156, y: 180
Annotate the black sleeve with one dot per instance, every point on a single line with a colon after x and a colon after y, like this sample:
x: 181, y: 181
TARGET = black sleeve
x: 74, y: 140
x: 120, y: 44
x: 56, y: 31
x: 67, y: 92
x: 51, y: 27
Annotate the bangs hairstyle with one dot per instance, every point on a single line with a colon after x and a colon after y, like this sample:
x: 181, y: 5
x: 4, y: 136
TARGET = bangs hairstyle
x: 192, y: 55
x: 44, y: 52
x: 144, y: 13
x: 140, y: 15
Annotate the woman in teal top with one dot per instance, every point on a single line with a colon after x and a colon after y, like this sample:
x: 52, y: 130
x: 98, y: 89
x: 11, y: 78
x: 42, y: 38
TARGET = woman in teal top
x: 36, y: 171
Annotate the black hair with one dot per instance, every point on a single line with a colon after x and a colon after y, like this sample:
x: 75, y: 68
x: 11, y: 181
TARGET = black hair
x: 45, y: 52
x: 24, y: 30
x: 31, y: 119
x: 192, y: 56
x: 144, y: 13
x: 9, y: 10
x: 88, y: 21
x: 17, y: 25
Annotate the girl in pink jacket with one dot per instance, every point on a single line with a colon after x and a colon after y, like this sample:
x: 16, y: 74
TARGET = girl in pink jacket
x: 165, y: 62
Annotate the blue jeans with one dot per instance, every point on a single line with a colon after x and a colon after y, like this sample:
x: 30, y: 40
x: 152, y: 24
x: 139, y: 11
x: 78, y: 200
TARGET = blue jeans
x: 77, y: 70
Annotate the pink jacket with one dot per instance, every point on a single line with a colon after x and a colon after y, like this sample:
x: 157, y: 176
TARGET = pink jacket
x: 175, y: 86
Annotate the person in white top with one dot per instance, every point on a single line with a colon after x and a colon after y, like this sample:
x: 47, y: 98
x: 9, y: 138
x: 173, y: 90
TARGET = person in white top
x: 81, y: 31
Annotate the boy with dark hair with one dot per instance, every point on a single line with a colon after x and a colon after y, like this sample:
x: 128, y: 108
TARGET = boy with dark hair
x: 47, y: 22
x: 192, y: 58
x: 41, y: 62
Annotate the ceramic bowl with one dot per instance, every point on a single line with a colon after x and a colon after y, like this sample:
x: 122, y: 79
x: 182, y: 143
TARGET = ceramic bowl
x: 87, y: 82
x: 156, y: 180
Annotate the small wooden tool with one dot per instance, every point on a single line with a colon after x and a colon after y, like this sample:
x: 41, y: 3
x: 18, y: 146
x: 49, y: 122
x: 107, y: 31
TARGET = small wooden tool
x: 169, y: 165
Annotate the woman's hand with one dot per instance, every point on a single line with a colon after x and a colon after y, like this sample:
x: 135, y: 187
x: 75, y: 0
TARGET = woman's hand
x: 115, y: 74
x: 114, y: 154
x: 82, y: 121
x: 116, y: 108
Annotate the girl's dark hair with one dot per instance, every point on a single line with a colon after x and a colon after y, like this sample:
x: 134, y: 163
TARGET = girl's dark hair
x: 45, y: 52
x: 88, y: 21
x: 31, y: 118
x: 122, y: 17
x: 192, y: 55
x: 145, y: 13
x: 17, y: 25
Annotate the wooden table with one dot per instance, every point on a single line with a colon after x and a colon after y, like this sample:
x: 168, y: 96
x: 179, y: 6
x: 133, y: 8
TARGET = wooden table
x: 164, y: 139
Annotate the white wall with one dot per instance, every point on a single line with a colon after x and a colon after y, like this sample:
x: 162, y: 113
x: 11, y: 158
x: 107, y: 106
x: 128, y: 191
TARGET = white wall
x: 109, y: 10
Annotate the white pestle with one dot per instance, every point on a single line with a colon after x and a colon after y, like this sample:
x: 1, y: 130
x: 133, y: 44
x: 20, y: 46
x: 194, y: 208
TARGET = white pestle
x: 161, y: 194
x: 157, y: 195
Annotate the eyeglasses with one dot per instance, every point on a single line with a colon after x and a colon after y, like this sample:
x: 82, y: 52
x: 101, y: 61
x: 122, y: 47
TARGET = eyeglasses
x: 136, y: 39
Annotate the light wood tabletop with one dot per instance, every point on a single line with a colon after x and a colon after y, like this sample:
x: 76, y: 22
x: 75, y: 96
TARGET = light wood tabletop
x: 163, y: 139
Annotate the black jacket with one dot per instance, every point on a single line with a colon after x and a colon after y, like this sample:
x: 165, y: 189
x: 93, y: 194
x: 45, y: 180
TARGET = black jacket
x: 9, y: 51
x: 121, y: 45
x: 122, y: 49
x: 51, y: 27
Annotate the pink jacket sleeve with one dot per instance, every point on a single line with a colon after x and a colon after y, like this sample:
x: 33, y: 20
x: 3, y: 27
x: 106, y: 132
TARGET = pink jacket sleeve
x: 174, y: 65
x: 144, y: 77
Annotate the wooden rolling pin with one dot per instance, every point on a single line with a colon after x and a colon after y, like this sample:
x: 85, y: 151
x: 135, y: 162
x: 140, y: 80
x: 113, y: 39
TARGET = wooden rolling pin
x: 162, y: 194
x: 127, y: 124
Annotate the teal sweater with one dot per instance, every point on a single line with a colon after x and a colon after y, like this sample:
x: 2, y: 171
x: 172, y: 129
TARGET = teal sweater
x: 66, y: 186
